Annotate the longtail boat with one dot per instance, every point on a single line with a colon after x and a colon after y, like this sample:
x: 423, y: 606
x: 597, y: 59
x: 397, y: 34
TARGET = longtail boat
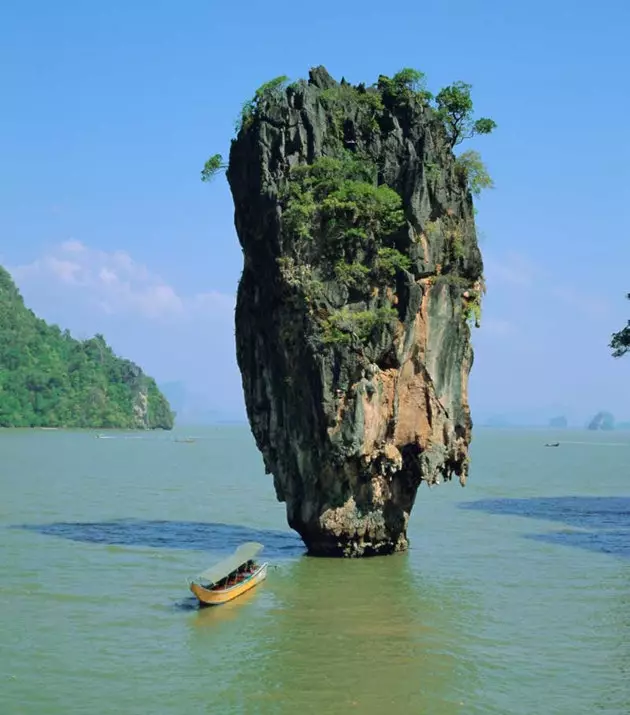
x: 231, y: 577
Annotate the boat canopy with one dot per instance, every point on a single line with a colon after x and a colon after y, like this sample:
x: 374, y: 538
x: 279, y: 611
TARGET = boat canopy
x: 245, y: 552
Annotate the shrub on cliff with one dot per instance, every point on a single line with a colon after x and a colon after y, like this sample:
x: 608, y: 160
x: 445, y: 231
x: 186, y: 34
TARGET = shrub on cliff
x: 474, y: 172
x: 265, y: 93
x: 338, y: 201
x: 620, y: 342
x: 453, y: 107
x: 212, y: 167
x: 405, y: 86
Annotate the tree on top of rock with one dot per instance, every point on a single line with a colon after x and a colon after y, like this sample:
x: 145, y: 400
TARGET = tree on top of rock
x: 455, y: 108
x: 452, y: 105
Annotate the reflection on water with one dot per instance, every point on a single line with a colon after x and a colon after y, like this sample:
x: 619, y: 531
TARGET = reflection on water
x: 330, y: 636
x: 212, y: 616
x: 598, y: 523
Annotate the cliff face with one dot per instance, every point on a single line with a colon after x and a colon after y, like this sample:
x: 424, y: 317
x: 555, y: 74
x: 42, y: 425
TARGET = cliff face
x: 49, y: 379
x: 352, y: 311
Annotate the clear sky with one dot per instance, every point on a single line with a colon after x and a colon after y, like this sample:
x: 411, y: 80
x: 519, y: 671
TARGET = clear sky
x: 110, y: 109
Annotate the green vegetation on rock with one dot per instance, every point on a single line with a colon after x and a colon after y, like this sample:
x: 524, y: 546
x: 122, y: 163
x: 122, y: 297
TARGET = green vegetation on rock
x: 342, y: 225
x: 471, y: 296
x: 405, y: 86
x: 212, y: 167
x: 620, y: 342
x: 389, y: 261
x: 474, y: 172
x: 455, y: 109
x: 265, y: 93
x: 452, y: 108
x: 342, y: 324
x: 352, y: 275
x: 338, y: 201
x: 473, y: 309
x: 337, y: 217
x: 342, y: 98
x: 49, y: 379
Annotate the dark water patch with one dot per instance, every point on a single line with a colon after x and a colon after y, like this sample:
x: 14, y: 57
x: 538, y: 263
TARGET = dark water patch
x: 580, y: 512
x: 616, y: 543
x: 602, y: 523
x: 189, y: 535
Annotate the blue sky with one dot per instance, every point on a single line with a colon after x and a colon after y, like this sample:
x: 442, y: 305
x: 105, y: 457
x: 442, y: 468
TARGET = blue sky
x: 110, y: 109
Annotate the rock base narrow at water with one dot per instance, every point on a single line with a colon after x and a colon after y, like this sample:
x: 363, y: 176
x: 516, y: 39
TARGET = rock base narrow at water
x: 361, y: 274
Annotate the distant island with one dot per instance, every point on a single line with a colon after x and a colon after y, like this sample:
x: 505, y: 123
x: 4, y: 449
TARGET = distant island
x: 559, y: 422
x: 536, y: 418
x: 50, y: 379
x: 602, y: 421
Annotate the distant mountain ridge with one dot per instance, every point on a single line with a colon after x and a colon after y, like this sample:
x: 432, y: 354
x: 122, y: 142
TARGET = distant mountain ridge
x: 602, y: 420
x: 195, y: 408
x: 50, y: 379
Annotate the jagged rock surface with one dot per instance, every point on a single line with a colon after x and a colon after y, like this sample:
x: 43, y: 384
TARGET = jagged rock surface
x: 350, y: 430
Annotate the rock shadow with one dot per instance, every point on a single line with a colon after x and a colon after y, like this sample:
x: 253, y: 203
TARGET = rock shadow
x: 189, y: 535
x: 599, y: 524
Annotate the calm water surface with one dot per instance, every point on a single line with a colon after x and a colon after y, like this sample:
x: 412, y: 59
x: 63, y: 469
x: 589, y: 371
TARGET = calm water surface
x: 514, y: 598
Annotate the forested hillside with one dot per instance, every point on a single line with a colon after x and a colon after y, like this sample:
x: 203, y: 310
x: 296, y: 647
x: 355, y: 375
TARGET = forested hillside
x: 49, y: 379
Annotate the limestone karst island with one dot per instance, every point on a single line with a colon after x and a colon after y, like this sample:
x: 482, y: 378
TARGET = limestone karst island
x: 362, y: 277
x: 49, y: 379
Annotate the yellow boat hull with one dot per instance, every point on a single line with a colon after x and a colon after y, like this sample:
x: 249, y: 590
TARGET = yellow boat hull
x: 215, y: 597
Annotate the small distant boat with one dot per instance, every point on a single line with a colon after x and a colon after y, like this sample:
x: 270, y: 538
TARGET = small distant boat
x: 552, y: 444
x: 231, y: 577
x: 187, y: 440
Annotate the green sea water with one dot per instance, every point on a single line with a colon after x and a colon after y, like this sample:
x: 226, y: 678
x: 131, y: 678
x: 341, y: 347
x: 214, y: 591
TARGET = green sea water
x: 514, y: 597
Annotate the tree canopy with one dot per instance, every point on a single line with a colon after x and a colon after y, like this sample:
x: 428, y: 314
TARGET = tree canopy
x: 469, y: 163
x: 620, y: 342
x: 453, y: 107
x: 212, y: 167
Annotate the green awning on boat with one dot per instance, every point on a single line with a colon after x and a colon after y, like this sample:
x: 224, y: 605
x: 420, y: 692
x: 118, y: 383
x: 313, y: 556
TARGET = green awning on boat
x: 245, y: 552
